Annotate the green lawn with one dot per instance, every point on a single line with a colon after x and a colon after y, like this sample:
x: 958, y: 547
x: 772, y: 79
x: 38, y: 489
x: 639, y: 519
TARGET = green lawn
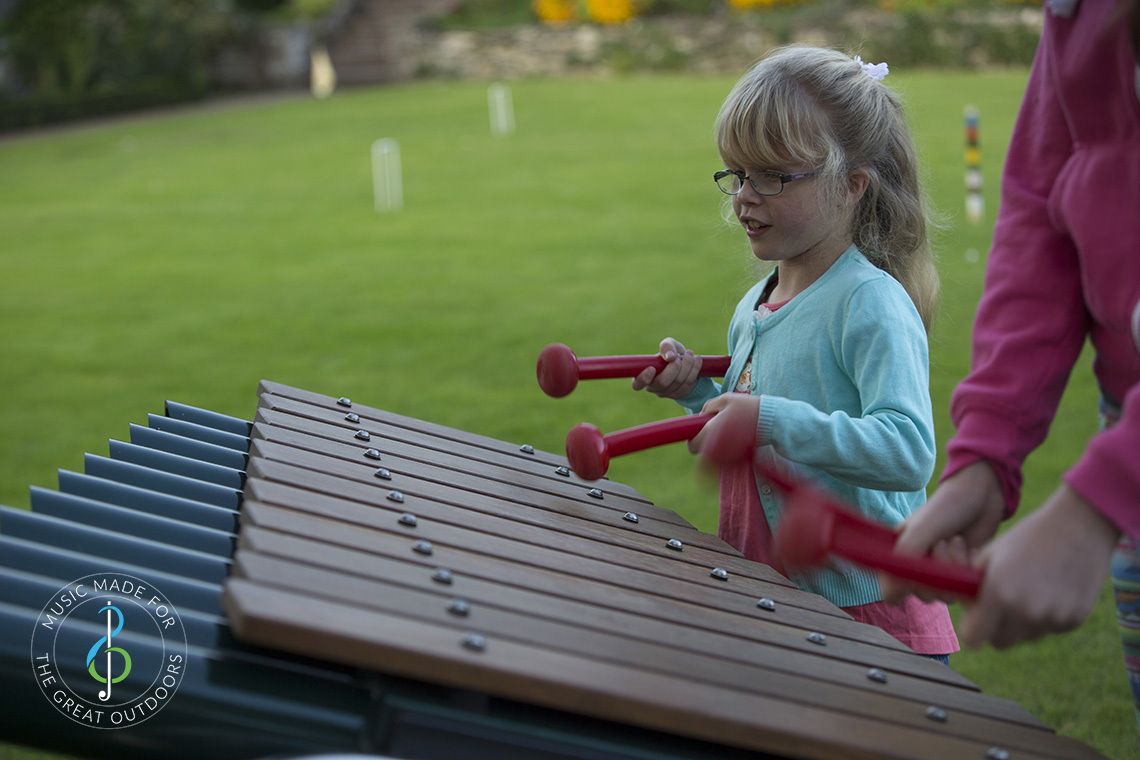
x: 187, y: 256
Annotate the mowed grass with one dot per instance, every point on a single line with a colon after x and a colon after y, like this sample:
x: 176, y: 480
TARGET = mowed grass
x: 189, y: 255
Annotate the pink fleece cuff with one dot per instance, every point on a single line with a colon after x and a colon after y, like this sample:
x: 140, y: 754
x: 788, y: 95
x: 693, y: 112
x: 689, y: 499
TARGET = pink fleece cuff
x: 979, y: 437
x: 1108, y: 477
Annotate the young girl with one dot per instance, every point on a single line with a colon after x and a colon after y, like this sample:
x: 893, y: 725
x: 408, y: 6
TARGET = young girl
x: 829, y: 353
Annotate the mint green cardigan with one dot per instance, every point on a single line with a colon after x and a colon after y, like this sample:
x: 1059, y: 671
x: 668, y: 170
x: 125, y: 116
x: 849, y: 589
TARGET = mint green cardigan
x: 842, y: 372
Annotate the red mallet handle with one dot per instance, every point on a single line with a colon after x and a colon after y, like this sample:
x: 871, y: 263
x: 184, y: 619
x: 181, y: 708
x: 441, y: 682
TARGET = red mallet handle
x: 559, y: 370
x: 589, y: 451
x: 814, y: 525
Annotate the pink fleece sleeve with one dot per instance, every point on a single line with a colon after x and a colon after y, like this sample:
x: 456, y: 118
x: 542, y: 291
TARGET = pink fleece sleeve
x: 1031, y: 321
x: 1108, y: 475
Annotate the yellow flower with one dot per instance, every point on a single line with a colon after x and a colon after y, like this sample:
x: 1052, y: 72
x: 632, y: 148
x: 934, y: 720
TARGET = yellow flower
x: 610, y: 11
x: 555, y: 11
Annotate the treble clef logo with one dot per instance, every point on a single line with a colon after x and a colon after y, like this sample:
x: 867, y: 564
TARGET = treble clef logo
x: 110, y: 678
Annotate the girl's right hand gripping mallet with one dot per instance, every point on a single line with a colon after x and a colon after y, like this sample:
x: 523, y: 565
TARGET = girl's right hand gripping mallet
x: 814, y: 525
x: 559, y: 370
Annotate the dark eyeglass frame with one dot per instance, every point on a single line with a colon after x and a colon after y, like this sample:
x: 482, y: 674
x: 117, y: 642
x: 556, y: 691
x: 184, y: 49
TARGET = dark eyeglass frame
x: 784, y: 179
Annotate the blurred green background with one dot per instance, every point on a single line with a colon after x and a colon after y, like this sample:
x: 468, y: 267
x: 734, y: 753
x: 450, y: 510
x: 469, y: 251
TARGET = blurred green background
x: 188, y: 255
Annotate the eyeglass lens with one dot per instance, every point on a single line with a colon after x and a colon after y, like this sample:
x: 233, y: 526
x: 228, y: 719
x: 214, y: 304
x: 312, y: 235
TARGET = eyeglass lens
x: 764, y: 183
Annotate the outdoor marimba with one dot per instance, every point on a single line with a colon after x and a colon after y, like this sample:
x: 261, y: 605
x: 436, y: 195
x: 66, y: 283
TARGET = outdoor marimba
x: 354, y: 580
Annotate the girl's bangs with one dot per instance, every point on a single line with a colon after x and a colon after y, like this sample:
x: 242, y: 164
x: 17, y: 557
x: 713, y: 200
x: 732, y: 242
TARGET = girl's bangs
x: 766, y: 131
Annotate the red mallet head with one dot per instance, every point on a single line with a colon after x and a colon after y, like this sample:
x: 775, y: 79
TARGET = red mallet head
x: 586, y: 450
x: 804, y: 536
x: 557, y: 370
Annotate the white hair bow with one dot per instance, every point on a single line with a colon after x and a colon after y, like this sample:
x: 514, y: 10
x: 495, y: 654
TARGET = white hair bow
x: 877, y: 71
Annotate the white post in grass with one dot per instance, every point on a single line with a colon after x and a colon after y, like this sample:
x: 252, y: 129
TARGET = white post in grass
x: 501, y: 109
x: 322, y: 75
x: 387, y: 180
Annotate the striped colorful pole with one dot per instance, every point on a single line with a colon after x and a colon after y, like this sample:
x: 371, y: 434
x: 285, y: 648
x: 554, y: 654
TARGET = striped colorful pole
x: 975, y: 203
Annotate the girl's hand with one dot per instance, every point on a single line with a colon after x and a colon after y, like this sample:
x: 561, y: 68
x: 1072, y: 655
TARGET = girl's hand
x: 1042, y: 576
x: 961, y: 516
x: 678, y: 378
x: 732, y: 431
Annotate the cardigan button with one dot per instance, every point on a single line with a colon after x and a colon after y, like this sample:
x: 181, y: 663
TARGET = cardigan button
x: 766, y: 490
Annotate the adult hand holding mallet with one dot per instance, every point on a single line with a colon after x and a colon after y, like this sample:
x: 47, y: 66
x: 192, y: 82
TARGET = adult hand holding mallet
x: 815, y: 525
x: 559, y: 369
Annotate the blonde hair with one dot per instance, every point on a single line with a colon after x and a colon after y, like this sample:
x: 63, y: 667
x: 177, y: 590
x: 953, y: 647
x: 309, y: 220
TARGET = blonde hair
x: 817, y: 107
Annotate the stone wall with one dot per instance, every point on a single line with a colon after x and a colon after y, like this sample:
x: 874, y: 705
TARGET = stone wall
x: 394, y: 40
x: 721, y: 44
x: 699, y: 45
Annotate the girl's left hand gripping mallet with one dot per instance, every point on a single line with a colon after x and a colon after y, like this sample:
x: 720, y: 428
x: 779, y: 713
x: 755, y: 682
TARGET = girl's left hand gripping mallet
x: 559, y: 370
x: 589, y: 451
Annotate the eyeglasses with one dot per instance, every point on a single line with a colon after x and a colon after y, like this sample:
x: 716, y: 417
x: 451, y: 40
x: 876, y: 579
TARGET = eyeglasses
x: 731, y: 181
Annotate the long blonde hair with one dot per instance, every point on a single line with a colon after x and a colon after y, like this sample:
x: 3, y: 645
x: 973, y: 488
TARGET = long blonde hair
x: 814, y: 106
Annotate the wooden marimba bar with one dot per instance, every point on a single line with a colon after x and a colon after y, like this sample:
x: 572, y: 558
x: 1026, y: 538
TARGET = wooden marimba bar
x: 355, y: 580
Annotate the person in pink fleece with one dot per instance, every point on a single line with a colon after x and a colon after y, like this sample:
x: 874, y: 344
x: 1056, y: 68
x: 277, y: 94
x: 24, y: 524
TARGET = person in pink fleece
x: 1065, y: 265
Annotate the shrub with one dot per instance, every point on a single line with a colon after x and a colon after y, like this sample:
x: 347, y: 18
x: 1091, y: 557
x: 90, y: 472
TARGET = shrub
x: 74, y: 58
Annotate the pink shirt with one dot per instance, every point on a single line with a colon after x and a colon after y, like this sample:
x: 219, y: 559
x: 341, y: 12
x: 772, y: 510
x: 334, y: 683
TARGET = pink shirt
x: 1065, y: 265
x: 925, y: 628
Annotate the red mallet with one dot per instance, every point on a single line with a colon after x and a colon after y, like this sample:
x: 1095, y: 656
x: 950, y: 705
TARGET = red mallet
x: 814, y: 525
x: 589, y: 451
x: 559, y: 370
